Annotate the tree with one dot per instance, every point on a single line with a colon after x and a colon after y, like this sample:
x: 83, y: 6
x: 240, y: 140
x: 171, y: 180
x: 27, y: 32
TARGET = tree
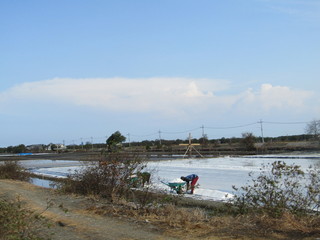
x: 17, y: 149
x: 313, y: 128
x: 248, y: 140
x: 115, y: 140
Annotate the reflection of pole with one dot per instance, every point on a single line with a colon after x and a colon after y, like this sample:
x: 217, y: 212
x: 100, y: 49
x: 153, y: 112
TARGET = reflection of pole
x: 190, y: 145
x: 261, y: 131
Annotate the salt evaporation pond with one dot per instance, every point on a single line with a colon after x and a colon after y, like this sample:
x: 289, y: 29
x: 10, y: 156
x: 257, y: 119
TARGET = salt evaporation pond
x: 43, y: 183
x: 216, y: 175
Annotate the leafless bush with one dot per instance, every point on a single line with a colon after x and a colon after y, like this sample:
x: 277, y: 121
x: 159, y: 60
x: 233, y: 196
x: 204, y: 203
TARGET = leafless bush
x: 13, y: 170
x: 281, y: 188
x: 111, y: 178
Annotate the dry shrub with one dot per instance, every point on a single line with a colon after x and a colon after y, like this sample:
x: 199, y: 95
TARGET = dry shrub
x: 280, y: 188
x: 110, y: 178
x: 13, y: 170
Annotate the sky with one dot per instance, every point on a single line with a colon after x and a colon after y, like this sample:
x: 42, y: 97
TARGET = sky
x: 76, y: 71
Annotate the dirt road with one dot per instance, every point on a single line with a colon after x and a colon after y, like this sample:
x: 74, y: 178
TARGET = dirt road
x: 70, y: 217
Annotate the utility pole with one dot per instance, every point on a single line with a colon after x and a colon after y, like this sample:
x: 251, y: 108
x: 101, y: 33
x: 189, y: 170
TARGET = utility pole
x: 129, y: 139
x: 203, y: 140
x: 92, y: 143
x: 202, y: 131
x: 160, y: 137
x: 261, y: 127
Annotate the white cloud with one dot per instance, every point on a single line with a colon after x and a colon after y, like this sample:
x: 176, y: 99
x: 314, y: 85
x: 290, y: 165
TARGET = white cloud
x: 303, y: 9
x: 119, y: 94
x: 270, y: 99
x: 281, y: 97
x: 164, y: 96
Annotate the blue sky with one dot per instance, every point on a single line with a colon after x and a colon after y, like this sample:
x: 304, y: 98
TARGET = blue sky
x: 80, y: 70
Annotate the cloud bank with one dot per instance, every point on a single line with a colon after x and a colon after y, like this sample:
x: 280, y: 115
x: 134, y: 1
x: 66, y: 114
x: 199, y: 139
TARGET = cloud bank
x: 163, y: 96
x: 303, y: 9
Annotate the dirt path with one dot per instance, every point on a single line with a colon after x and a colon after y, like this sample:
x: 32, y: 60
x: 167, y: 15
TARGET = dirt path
x: 70, y: 217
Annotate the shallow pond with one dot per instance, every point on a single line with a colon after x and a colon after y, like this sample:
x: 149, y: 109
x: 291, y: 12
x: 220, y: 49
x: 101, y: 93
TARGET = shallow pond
x: 43, y: 183
x: 216, y: 175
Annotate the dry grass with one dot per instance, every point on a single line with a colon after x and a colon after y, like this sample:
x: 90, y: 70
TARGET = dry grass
x: 196, y: 223
x: 19, y: 223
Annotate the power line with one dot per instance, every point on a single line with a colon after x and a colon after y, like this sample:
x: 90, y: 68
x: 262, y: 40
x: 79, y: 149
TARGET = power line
x: 239, y: 126
x: 158, y: 133
x: 186, y: 131
x: 146, y: 135
x: 286, y: 122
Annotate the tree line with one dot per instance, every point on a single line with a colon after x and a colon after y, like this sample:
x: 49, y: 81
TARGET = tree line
x: 118, y: 140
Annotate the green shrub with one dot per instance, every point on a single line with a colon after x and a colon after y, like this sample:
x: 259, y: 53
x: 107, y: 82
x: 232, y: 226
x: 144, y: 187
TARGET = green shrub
x: 280, y: 188
x: 13, y: 170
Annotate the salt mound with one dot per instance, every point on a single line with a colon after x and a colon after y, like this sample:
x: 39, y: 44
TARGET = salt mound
x: 176, y: 180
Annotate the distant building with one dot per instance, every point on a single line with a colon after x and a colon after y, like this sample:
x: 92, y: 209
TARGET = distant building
x: 35, y: 148
x: 56, y: 147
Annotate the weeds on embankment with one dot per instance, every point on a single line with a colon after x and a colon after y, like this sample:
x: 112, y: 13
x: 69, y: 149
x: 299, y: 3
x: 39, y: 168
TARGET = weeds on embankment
x: 280, y: 203
x: 13, y: 170
x: 16, y: 222
x: 113, y: 178
x: 281, y: 199
x: 222, y: 222
x: 274, y: 206
x: 280, y: 188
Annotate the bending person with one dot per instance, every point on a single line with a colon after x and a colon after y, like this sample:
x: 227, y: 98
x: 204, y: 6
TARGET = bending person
x: 193, y: 178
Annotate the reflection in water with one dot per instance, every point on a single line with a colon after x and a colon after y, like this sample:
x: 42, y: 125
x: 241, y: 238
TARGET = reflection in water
x: 316, y: 164
x: 248, y: 163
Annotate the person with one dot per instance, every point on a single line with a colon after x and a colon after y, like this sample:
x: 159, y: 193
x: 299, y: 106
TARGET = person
x: 193, y: 178
x: 144, y: 177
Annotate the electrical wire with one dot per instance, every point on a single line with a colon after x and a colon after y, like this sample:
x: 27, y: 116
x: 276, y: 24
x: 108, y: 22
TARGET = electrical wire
x: 239, y: 126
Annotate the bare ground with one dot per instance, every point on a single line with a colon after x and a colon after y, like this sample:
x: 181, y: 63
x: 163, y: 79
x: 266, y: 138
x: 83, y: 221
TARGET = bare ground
x: 70, y: 218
